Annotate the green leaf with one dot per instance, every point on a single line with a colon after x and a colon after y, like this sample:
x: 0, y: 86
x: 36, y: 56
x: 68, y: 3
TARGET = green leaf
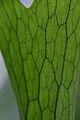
x: 41, y: 48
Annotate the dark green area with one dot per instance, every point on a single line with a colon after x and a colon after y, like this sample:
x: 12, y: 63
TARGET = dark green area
x: 41, y: 48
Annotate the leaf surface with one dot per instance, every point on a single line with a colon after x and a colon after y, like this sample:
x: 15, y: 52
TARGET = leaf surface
x: 41, y: 48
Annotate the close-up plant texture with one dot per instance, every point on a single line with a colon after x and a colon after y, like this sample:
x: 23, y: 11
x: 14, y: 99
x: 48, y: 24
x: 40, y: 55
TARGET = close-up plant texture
x: 41, y: 49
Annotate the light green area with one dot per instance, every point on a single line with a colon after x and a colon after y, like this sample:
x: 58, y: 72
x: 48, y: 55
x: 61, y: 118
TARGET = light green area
x: 41, y: 48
